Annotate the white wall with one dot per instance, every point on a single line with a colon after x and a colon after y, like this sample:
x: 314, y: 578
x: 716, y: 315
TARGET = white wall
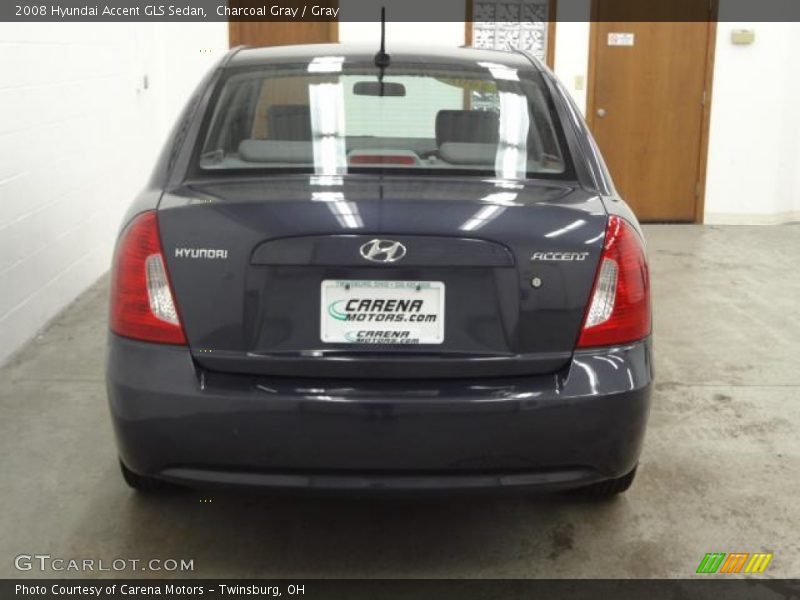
x: 78, y: 138
x: 571, y: 63
x: 754, y: 142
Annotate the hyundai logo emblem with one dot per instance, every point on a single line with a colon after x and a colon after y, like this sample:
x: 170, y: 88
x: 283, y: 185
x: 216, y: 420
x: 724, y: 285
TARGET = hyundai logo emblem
x: 384, y: 251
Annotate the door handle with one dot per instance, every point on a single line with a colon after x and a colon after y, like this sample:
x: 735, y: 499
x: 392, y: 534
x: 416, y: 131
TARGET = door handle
x: 601, y: 112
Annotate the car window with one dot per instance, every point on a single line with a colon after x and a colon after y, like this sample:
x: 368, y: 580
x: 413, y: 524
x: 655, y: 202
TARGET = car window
x: 330, y: 118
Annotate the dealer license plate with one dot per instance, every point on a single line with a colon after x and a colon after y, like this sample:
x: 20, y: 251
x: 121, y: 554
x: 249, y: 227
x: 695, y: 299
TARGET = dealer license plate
x: 382, y: 312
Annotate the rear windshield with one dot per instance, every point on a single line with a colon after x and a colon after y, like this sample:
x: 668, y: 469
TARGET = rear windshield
x: 331, y: 117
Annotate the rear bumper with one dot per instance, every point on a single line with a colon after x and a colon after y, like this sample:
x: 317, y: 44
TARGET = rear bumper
x: 176, y: 422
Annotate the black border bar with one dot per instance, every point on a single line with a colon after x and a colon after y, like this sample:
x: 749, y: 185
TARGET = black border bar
x: 397, y: 10
x: 407, y: 589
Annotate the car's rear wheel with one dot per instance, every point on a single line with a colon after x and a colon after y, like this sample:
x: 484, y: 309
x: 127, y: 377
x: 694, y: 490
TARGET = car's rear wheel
x: 142, y: 483
x: 610, y: 487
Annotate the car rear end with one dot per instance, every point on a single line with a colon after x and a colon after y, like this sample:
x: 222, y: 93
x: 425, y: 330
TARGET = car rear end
x: 324, y: 300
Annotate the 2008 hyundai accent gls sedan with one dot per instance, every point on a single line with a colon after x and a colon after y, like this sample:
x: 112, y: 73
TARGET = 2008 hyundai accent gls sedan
x: 400, y: 272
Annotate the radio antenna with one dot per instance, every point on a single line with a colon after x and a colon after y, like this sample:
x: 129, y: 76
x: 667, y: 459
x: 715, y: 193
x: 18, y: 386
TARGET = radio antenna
x: 382, y: 59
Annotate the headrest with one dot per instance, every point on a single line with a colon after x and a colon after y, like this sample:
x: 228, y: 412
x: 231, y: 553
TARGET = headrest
x: 277, y: 151
x: 289, y: 122
x: 467, y: 126
x: 457, y: 153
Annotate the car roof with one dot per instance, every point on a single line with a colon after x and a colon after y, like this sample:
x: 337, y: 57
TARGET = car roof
x: 461, y: 56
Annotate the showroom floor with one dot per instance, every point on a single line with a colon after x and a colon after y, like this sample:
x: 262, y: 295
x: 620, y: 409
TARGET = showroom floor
x: 719, y: 471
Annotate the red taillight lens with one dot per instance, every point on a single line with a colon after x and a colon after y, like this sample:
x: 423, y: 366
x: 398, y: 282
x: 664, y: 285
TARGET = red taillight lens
x: 619, y: 307
x: 142, y: 303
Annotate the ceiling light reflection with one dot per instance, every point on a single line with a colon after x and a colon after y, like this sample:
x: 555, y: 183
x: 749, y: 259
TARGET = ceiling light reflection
x: 346, y: 213
x: 503, y: 198
x: 567, y: 228
x: 483, y: 217
x: 326, y: 180
x: 326, y: 64
x: 327, y: 128
x: 511, y: 160
x: 499, y: 71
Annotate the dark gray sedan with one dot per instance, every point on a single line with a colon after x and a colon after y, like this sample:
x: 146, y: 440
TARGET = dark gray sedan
x: 403, y: 271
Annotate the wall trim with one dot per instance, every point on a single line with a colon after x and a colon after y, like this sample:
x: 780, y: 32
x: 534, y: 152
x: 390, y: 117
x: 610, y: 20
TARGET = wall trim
x: 752, y: 219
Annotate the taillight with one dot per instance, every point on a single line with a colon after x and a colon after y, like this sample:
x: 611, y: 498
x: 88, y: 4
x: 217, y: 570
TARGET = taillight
x: 619, y: 308
x: 142, y: 303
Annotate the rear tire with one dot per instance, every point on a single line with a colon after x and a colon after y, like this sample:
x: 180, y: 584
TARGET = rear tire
x: 142, y: 483
x: 610, y: 487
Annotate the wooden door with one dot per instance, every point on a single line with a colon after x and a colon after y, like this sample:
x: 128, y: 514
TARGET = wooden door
x: 648, y: 107
x: 283, y: 33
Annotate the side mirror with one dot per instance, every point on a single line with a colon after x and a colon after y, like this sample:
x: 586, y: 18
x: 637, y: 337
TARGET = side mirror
x: 375, y: 88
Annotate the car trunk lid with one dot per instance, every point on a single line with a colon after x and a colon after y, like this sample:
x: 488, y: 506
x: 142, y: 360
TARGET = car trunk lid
x: 506, y: 269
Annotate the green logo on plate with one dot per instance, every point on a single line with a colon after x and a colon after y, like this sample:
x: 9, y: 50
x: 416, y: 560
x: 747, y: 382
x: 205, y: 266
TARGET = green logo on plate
x: 335, y: 312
